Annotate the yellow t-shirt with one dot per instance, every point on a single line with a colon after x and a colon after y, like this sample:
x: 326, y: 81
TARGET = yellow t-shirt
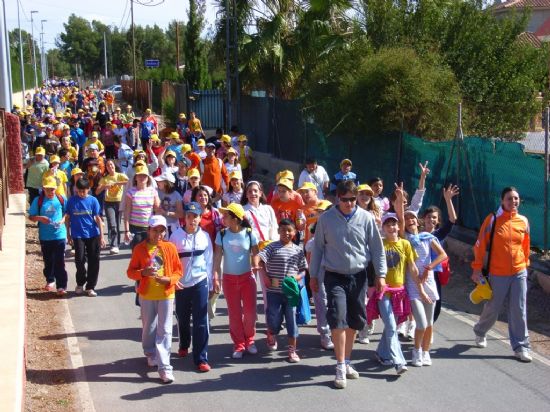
x: 195, y: 124
x: 155, y: 290
x: 114, y: 194
x: 244, y: 154
x: 398, y: 255
x: 100, y: 145
x: 60, y: 178
x: 73, y: 153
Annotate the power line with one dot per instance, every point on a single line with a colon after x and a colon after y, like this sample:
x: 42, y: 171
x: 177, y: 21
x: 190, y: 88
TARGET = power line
x: 125, y: 8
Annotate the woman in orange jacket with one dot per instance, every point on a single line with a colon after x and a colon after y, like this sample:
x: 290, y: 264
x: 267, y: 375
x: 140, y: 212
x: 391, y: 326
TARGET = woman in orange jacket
x: 157, y: 267
x: 507, y: 272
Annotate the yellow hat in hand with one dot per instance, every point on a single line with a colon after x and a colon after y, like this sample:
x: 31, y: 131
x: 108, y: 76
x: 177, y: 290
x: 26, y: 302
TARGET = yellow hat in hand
x: 481, y: 292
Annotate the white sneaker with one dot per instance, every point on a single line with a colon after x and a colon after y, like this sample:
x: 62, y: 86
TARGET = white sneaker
x: 91, y: 293
x: 370, y: 329
x: 79, y: 290
x: 326, y: 342
x: 416, y: 357
x: 363, y: 336
x: 252, y: 349
x: 524, y: 356
x: 481, y: 341
x: 238, y: 354
x: 351, y: 373
x: 426, y: 358
x: 411, y: 327
x: 401, y: 369
x: 114, y: 250
x: 402, y: 329
x: 166, y: 376
x: 363, y: 340
x: 340, y: 381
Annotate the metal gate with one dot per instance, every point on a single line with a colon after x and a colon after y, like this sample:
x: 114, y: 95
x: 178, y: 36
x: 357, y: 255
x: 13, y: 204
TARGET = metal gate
x: 209, y: 107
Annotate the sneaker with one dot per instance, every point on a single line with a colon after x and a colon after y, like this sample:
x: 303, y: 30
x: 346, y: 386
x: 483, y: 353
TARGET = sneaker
x: 252, y: 349
x: 481, y: 341
x: 363, y: 340
x: 524, y: 356
x: 238, y: 354
x: 91, y: 293
x: 271, y: 341
x: 50, y: 287
x: 383, y: 362
x: 326, y: 342
x: 292, y: 355
x: 203, y: 367
x: 166, y: 376
x: 79, y: 290
x: 426, y: 358
x: 401, y: 369
x: 402, y: 329
x: 182, y: 353
x: 416, y: 357
x: 340, y: 381
x: 411, y: 327
x: 61, y: 292
x: 370, y: 327
x: 351, y: 373
x: 151, y: 361
x: 114, y: 250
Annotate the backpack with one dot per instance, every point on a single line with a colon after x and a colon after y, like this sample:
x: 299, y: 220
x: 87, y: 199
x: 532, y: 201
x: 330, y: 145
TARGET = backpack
x: 248, y: 232
x: 445, y: 273
x: 41, y: 201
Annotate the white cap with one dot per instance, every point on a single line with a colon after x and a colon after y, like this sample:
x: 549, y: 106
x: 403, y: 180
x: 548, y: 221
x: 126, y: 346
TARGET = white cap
x: 389, y: 216
x: 157, y: 220
x: 169, y: 177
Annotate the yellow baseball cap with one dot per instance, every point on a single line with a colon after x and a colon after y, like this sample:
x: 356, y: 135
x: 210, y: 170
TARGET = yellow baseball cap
x: 95, y: 134
x: 139, y: 152
x: 76, y: 171
x: 49, y: 182
x: 308, y: 186
x: 231, y: 150
x: 243, y: 138
x: 182, y: 116
x: 54, y: 159
x: 286, y: 183
x: 40, y: 151
x: 193, y: 173
x: 225, y: 138
x: 235, y: 208
x: 140, y: 163
x: 323, y: 205
x: 174, y: 135
x: 236, y: 175
x: 142, y: 170
x: 346, y: 161
x: 186, y: 148
x: 365, y: 188
x: 285, y: 174
x: 201, y: 143
x: 170, y: 153
x: 155, y: 138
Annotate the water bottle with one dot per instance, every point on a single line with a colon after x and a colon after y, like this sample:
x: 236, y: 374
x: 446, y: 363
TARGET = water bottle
x: 130, y: 238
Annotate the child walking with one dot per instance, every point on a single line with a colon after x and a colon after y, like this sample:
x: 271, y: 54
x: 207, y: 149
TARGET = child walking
x: 282, y: 259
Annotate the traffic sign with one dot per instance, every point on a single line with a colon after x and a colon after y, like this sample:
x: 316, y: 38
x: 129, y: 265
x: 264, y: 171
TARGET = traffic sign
x: 152, y: 63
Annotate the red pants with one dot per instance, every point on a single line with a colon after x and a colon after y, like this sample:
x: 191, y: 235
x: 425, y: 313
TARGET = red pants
x: 240, y: 295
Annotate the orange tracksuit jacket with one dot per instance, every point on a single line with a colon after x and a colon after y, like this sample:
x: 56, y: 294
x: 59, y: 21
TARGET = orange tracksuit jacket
x: 511, y: 244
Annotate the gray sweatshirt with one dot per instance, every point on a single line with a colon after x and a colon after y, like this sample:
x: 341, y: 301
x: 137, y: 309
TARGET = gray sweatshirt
x: 346, y: 247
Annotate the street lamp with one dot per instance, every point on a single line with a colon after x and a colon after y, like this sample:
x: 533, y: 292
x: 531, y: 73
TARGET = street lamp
x: 33, y: 49
x: 43, y: 63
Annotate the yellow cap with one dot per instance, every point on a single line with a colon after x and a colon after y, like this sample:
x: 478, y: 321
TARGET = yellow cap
x: 174, y: 135
x: 186, y: 148
x: 95, y: 134
x: 49, y: 110
x: 193, y: 173
x: 182, y: 116
x: 285, y: 174
x: 49, y: 182
x: 40, y: 151
x: 243, y: 138
x: 286, y: 183
x: 142, y: 170
x: 308, y: 186
x: 139, y: 152
x: 67, y: 127
x: 346, y: 161
x: 225, y: 138
x: 155, y: 138
x: 170, y: 153
x: 323, y: 205
x: 481, y: 292
x: 231, y: 150
x: 235, y: 208
x: 147, y: 110
x: 76, y: 171
x: 365, y: 188
x: 201, y: 143
x: 140, y: 163
x: 54, y: 159
x: 236, y: 175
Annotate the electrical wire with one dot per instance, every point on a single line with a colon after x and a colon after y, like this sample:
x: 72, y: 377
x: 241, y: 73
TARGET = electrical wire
x: 123, y: 13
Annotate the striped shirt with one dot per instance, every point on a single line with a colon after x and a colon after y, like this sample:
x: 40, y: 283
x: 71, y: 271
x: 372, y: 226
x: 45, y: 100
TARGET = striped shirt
x: 142, y: 205
x: 281, y: 261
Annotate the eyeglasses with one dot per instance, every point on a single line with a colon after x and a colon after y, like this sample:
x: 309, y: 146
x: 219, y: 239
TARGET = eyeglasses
x: 348, y: 199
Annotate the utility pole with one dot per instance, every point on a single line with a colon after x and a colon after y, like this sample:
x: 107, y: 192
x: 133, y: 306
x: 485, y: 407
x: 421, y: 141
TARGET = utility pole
x: 23, y: 88
x: 134, y: 51
x: 105, y: 54
x: 43, y: 63
x: 7, y: 40
x: 33, y: 50
x: 5, y: 77
x: 177, y: 46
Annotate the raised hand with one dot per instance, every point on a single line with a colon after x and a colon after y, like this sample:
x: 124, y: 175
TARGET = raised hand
x: 450, y: 191
x: 424, y: 170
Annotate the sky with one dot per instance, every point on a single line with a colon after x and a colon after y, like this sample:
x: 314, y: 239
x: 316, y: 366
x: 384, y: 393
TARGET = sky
x: 110, y: 12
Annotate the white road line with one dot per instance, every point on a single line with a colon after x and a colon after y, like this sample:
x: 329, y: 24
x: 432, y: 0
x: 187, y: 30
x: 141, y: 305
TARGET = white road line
x: 86, y: 403
x: 492, y: 333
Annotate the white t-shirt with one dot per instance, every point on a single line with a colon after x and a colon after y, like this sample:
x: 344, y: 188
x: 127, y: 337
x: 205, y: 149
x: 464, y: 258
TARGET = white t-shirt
x: 195, y: 251
x: 318, y: 177
x: 267, y: 221
x: 168, y: 203
x: 422, y: 248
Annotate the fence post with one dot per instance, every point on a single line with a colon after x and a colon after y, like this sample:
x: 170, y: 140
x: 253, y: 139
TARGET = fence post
x: 546, y: 177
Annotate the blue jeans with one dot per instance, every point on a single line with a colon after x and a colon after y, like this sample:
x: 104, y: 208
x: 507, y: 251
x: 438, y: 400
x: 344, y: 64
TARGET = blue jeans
x: 277, y: 308
x: 193, y: 301
x: 53, y: 253
x: 389, y: 347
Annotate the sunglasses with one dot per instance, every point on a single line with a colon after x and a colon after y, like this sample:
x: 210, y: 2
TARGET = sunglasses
x: 348, y: 199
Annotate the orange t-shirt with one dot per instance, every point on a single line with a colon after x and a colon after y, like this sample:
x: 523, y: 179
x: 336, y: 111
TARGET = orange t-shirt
x: 311, y: 215
x: 195, y: 160
x: 287, y: 210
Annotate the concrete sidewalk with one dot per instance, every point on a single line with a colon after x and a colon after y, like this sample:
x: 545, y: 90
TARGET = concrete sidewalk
x: 12, y: 305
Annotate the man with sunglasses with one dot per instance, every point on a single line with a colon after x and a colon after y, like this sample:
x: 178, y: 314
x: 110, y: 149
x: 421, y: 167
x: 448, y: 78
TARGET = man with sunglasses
x: 346, y: 239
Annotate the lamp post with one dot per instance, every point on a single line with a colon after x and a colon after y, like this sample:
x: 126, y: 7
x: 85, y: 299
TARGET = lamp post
x: 21, y: 59
x: 33, y: 49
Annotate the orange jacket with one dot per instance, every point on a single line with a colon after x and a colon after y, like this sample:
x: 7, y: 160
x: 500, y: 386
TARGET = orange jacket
x: 511, y: 244
x: 213, y: 171
x: 141, y: 260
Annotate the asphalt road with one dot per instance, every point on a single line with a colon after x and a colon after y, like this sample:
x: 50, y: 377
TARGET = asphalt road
x: 462, y: 378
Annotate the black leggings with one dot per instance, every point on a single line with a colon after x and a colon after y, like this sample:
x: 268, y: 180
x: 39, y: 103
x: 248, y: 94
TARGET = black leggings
x: 437, y: 309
